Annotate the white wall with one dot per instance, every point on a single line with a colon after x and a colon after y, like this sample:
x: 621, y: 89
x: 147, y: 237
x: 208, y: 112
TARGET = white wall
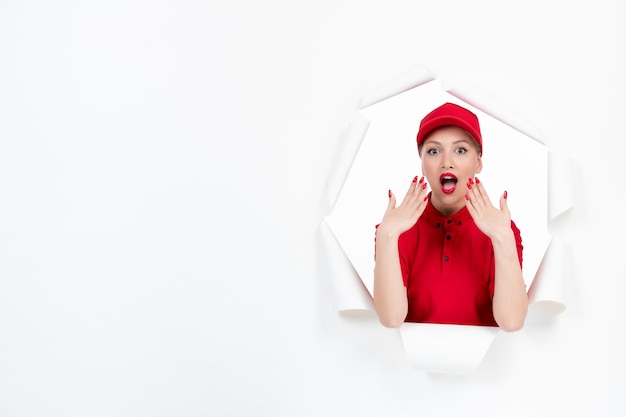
x: 161, y: 167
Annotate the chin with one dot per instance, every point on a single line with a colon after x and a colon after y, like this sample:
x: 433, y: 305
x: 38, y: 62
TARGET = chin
x: 449, y: 197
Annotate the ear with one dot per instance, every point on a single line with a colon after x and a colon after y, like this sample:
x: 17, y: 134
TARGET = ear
x: 479, y: 164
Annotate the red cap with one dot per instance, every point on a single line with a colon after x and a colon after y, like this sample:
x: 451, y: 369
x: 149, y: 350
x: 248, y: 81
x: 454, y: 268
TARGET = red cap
x: 450, y: 114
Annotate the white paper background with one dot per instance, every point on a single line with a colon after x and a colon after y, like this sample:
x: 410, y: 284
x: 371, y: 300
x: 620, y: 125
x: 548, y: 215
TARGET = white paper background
x: 162, y: 166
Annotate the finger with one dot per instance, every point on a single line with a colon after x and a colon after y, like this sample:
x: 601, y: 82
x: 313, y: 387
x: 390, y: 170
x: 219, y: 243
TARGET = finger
x: 392, y: 202
x: 473, y: 194
x: 415, y: 184
x: 413, y: 191
x: 422, y: 192
x: 470, y: 205
x: 422, y: 188
x: 482, y: 190
x: 504, y: 206
x: 481, y: 198
x: 423, y: 199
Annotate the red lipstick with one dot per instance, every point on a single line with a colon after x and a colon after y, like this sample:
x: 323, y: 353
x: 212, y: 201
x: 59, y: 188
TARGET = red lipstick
x: 448, y: 182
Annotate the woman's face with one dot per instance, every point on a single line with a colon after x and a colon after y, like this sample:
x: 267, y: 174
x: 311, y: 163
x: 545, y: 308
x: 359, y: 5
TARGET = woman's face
x: 449, y: 158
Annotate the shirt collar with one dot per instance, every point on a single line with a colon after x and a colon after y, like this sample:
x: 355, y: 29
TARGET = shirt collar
x: 433, y: 216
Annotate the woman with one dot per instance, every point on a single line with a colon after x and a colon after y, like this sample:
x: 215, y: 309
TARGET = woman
x: 449, y: 256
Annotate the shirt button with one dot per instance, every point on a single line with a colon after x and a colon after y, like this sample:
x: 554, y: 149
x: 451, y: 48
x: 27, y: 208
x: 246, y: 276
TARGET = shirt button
x: 445, y: 258
x: 449, y: 221
x: 448, y: 237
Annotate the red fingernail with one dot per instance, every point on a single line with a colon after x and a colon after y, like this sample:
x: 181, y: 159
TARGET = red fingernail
x: 389, y: 193
x: 424, y: 186
x: 415, y: 179
x: 469, y: 186
x: 421, y: 180
x: 426, y: 198
x: 466, y: 197
x: 471, y: 181
x: 477, y: 180
x: 506, y: 195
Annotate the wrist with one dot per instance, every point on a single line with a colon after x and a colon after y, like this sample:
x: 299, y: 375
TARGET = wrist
x: 503, y: 237
x: 386, y: 234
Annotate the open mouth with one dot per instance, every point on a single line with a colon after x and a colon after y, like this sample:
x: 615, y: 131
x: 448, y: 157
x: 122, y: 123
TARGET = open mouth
x: 448, y: 182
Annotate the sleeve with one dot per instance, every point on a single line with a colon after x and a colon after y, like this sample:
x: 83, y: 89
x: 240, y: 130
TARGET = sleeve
x: 492, y: 275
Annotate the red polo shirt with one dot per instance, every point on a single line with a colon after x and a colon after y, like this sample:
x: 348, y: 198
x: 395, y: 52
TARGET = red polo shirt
x: 448, y: 269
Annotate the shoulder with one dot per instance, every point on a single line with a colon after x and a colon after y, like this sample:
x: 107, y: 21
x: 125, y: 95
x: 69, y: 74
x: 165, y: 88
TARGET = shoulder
x: 410, y: 239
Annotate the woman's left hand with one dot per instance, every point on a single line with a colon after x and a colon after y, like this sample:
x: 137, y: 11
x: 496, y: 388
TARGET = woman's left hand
x: 491, y: 221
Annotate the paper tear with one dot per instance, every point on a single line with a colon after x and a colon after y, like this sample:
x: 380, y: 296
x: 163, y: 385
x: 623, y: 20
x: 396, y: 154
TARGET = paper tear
x: 548, y: 288
x: 446, y: 348
x: 437, y: 347
x: 560, y: 185
x: 346, y: 288
x: 406, y: 80
x: 477, y: 97
x: 347, y: 149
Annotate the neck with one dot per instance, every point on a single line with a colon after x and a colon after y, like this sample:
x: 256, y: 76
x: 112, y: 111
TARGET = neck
x: 444, y: 207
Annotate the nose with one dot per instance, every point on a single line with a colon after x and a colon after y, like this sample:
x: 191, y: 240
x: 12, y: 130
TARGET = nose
x: 446, y: 160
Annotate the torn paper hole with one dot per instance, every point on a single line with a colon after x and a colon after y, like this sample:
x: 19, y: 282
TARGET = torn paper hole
x: 386, y: 157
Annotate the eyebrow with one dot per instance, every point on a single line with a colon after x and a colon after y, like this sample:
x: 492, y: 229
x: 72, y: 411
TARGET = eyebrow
x: 454, y: 143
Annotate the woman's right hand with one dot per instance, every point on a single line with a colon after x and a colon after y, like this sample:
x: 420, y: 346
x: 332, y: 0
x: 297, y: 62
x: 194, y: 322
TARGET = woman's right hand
x: 398, y: 220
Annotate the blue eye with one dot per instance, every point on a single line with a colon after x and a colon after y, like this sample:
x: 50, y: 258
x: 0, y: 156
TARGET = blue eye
x: 432, y: 151
x: 461, y: 150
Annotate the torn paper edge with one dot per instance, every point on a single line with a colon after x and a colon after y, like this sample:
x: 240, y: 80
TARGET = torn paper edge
x: 560, y: 185
x: 347, y: 150
x: 446, y: 348
x: 478, y: 97
x: 347, y: 290
x: 549, y: 294
x: 359, y: 297
x: 410, y: 78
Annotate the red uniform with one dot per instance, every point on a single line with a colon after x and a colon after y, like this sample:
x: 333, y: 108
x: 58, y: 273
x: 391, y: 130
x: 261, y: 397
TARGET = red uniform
x: 448, y: 269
